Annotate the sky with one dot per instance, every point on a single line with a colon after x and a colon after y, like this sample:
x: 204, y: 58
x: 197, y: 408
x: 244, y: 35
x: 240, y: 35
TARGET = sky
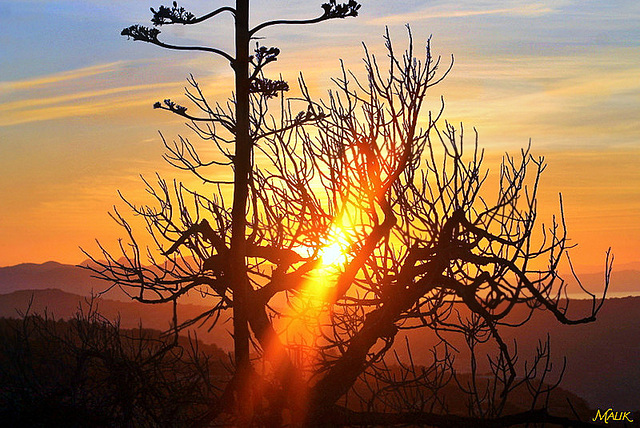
x: 77, y: 124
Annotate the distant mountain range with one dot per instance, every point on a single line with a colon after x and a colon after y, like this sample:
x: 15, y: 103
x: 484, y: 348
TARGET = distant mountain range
x: 31, y: 276
x: 603, y: 358
x: 69, y: 278
x: 76, y: 280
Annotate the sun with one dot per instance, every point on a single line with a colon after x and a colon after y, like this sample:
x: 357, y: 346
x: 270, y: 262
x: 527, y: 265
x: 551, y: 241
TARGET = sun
x: 335, y: 250
x: 333, y: 254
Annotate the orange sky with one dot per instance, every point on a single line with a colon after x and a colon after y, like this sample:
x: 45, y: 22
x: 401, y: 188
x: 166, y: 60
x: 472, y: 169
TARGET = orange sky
x: 76, y: 122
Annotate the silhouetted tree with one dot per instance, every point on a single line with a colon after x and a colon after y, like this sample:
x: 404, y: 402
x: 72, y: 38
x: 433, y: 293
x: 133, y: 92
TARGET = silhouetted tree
x: 352, y: 219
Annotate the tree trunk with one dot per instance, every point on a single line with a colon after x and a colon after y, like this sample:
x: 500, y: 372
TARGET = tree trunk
x: 242, y: 166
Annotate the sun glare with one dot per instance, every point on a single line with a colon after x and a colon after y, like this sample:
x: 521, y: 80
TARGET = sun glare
x: 332, y: 254
x: 309, y: 313
x: 334, y: 250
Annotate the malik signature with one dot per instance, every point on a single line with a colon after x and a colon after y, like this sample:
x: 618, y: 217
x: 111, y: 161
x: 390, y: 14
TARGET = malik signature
x: 610, y: 414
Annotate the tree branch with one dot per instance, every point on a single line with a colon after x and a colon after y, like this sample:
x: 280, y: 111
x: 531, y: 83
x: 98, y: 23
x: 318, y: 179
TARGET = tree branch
x: 150, y: 35
x: 331, y: 11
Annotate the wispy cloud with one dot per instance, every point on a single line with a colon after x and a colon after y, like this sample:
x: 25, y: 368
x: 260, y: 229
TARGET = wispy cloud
x: 580, y: 102
x: 85, y: 91
x: 461, y: 11
x: 60, y: 77
x: 78, y: 104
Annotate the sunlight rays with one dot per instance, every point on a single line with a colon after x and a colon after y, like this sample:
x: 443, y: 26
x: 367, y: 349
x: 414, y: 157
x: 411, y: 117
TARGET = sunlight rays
x: 301, y: 320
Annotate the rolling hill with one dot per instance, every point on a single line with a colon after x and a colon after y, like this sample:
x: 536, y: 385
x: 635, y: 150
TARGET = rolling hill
x: 603, y: 358
x: 60, y: 304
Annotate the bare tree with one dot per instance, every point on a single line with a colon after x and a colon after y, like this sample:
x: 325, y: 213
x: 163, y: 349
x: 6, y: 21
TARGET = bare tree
x: 352, y: 219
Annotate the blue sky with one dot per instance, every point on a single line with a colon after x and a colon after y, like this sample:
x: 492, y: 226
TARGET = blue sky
x: 76, y: 121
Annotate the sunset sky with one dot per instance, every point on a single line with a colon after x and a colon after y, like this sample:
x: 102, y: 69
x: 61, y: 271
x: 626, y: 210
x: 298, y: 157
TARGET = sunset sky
x: 77, y: 124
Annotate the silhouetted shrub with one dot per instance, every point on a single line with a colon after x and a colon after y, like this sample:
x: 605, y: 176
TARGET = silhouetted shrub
x: 90, y: 372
